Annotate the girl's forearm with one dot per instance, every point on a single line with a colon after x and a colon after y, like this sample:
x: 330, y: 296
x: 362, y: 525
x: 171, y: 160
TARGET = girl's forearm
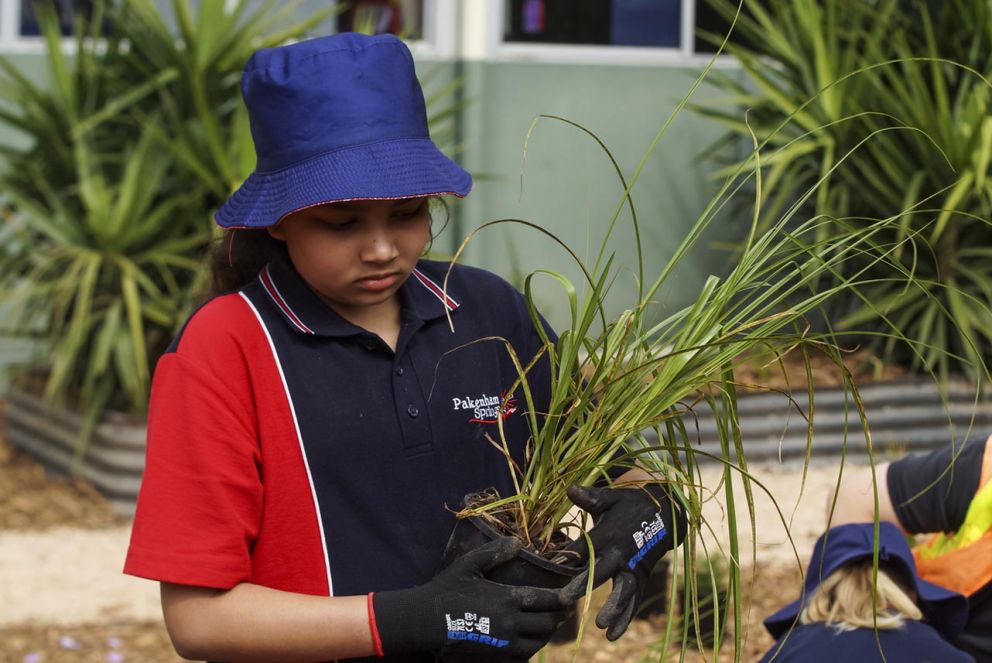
x: 255, y: 623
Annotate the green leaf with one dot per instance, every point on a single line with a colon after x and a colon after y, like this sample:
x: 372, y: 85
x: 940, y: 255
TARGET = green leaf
x: 114, y: 107
x: 983, y: 154
x: 133, y: 309
x: 950, y: 204
x: 62, y: 78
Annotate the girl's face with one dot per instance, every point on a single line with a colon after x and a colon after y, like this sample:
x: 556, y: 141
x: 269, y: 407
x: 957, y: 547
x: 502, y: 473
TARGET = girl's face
x: 357, y: 254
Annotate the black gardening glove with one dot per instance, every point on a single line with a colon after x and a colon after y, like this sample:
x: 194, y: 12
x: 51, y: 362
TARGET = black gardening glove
x: 461, y: 614
x: 634, y: 528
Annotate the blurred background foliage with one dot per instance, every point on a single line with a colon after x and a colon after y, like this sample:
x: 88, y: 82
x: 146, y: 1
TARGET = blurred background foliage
x: 137, y: 136
x: 138, y: 133
x: 887, y: 102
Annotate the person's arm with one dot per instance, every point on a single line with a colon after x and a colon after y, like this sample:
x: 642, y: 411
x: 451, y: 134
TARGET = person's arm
x: 854, y: 501
x: 920, y: 493
x: 634, y: 477
x: 251, y: 622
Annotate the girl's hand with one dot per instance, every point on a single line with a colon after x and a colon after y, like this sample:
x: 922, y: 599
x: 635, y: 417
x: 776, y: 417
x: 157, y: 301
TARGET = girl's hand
x: 634, y: 529
x: 461, y: 614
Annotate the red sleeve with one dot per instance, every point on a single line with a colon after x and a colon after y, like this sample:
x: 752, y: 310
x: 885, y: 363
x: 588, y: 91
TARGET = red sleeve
x: 200, y: 504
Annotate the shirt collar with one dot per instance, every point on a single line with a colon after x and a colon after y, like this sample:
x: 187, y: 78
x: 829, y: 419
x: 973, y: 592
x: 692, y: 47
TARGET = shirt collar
x: 422, y: 296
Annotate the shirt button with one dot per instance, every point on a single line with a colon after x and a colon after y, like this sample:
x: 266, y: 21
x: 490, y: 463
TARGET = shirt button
x: 399, y: 370
x: 368, y: 342
x: 412, y: 411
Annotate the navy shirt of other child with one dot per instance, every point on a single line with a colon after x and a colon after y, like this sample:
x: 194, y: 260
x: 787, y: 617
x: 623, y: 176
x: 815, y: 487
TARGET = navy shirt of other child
x: 914, y: 642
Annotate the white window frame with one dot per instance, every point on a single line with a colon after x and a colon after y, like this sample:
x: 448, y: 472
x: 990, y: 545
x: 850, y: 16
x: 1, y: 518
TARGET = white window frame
x: 11, y: 40
x: 495, y: 48
x: 439, y: 24
x: 440, y: 27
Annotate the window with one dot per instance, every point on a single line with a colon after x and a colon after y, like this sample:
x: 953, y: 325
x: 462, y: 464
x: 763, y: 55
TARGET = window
x: 19, y: 29
x: 428, y: 25
x: 399, y: 17
x: 66, y: 10
x: 595, y: 22
x: 710, y: 20
x: 604, y: 31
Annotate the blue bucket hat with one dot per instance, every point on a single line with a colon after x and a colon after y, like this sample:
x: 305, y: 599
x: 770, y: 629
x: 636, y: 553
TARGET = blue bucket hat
x: 336, y: 118
x: 943, y: 609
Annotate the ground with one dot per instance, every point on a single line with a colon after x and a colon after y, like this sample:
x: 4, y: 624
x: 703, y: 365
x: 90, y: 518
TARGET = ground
x: 64, y: 598
x: 81, y: 608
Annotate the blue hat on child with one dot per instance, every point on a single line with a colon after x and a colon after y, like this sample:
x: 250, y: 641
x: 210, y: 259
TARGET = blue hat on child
x: 336, y: 118
x: 943, y: 609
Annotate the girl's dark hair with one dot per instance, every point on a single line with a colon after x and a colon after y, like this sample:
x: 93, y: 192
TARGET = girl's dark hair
x: 237, y: 258
x: 239, y: 255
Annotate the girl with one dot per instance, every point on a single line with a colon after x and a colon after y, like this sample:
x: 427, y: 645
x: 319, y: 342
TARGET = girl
x: 313, y: 425
x: 847, y: 615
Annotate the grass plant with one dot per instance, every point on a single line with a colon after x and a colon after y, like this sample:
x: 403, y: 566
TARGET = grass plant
x: 625, y: 389
x: 704, y: 602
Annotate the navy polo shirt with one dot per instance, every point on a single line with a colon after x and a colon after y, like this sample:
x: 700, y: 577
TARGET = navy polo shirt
x: 290, y: 448
x: 915, y: 642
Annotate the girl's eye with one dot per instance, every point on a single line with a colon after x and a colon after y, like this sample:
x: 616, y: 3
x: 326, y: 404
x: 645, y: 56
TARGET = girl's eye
x: 408, y: 212
x: 340, y: 226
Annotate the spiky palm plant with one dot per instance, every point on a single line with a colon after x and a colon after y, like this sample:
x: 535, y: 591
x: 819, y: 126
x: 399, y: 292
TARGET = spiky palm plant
x: 130, y: 145
x: 915, y: 76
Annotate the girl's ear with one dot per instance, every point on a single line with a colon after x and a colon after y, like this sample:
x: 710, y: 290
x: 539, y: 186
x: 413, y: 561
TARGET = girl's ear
x: 277, y: 232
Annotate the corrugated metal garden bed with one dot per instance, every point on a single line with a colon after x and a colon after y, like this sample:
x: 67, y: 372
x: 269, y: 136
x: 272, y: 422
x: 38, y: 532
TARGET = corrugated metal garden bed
x: 908, y: 414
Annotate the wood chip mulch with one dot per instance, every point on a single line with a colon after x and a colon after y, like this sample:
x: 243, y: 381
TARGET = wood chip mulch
x: 789, y: 372
x: 119, y: 643
x: 32, y: 498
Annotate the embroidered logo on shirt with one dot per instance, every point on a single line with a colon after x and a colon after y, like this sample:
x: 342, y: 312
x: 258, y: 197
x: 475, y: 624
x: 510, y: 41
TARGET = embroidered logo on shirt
x: 474, y: 628
x: 485, y: 409
x: 647, y: 537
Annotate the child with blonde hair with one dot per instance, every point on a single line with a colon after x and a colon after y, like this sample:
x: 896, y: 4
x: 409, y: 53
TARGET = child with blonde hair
x: 846, y: 600
x: 853, y: 610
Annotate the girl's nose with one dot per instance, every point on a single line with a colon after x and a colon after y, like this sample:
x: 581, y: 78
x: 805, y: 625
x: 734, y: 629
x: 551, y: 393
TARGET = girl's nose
x: 380, y: 245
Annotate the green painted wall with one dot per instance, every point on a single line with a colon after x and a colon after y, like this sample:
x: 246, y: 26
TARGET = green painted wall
x: 569, y: 186
x: 33, y: 67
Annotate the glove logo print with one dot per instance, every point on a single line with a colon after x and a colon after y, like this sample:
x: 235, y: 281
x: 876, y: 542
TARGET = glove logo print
x: 470, y: 623
x: 473, y: 628
x: 647, y: 538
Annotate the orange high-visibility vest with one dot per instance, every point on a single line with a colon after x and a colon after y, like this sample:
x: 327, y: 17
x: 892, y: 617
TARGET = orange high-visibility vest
x: 962, y: 562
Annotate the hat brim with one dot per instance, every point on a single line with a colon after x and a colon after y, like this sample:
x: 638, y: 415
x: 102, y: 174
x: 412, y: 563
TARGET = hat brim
x: 783, y: 620
x: 943, y: 609
x: 387, y: 170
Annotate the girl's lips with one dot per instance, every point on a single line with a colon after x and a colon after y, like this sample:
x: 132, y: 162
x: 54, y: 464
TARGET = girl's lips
x: 378, y: 282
